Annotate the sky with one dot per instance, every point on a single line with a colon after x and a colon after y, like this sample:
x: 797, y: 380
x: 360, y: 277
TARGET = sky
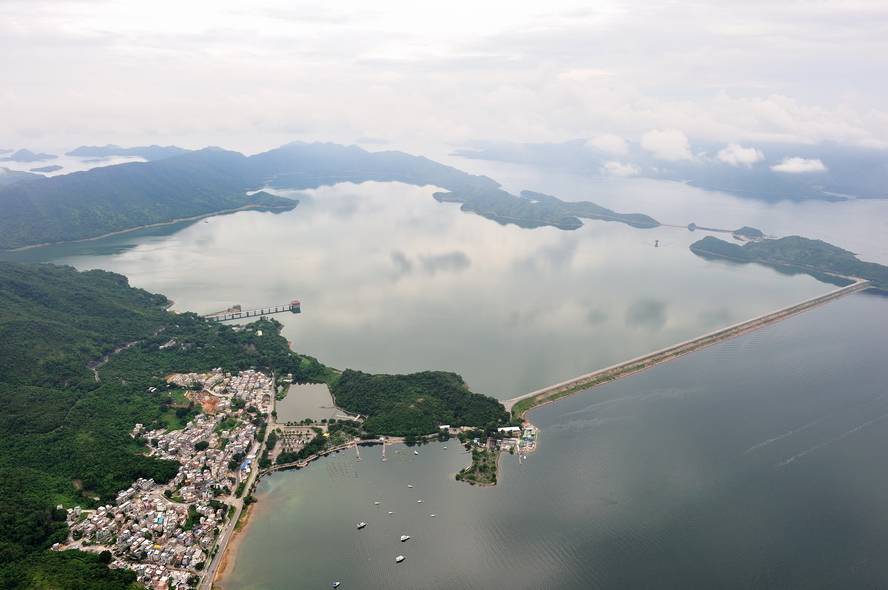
x: 427, y: 76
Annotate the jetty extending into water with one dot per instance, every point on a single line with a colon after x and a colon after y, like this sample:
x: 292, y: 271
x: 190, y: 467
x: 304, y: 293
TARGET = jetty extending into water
x: 521, y: 404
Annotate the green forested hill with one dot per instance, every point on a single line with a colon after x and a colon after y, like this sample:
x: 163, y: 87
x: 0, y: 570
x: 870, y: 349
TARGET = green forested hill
x: 114, y: 198
x: 414, y: 404
x: 65, y: 436
x: 797, y: 254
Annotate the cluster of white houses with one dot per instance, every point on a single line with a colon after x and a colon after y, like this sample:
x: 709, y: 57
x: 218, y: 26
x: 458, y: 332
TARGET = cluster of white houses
x: 166, y: 532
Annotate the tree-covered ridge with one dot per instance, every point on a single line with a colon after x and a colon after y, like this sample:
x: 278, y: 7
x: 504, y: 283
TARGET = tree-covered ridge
x: 795, y: 253
x: 414, y: 404
x: 116, y: 198
x: 65, y: 435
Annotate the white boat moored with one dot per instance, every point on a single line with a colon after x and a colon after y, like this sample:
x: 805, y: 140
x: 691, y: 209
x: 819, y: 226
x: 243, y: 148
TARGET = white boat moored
x: 399, y: 559
x: 404, y: 537
x: 360, y: 525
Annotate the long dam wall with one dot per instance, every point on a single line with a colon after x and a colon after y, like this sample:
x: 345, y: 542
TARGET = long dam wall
x: 521, y: 404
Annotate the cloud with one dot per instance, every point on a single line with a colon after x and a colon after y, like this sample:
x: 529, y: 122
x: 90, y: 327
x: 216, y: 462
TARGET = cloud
x: 610, y: 143
x: 646, y: 313
x: 402, y: 264
x: 433, y: 75
x: 584, y: 74
x: 737, y: 155
x: 799, y: 166
x: 450, y: 262
x: 667, y: 144
x: 614, y: 168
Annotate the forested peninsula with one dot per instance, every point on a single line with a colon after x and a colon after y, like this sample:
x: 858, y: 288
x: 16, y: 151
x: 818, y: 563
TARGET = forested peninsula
x: 795, y: 254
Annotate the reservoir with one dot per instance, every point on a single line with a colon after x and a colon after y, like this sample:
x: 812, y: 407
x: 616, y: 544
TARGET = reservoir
x: 307, y: 400
x: 392, y: 281
x: 755, y: 463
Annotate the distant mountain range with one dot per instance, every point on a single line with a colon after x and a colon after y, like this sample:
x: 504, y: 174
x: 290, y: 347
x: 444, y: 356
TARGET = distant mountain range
x: 770, y: 172
x: 110, y: 199
x: 24, y: 155
x: 149, y: 152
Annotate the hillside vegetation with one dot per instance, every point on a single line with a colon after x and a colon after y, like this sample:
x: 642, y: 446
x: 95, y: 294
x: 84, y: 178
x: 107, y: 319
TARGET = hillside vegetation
x: 67, y: 417
x: 65, y: 435
x: 414, y: 404
x: 116, y: 198
x: 797, y: 254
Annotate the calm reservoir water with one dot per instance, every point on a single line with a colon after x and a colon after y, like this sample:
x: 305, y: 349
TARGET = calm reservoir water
x: 393, y: 281
x: 756, y: 463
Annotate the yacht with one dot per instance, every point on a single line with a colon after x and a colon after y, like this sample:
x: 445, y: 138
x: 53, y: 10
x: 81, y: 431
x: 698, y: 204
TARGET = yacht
x: 404, y: 537
x: 361, y: 525
x: 399, y: 559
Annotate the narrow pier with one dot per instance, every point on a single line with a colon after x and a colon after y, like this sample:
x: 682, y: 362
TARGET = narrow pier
x: 521, y: 404
x: 236, y: 313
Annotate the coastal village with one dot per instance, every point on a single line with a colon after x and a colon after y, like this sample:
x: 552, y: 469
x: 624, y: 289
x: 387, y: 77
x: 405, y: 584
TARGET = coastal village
x: 167, y: 533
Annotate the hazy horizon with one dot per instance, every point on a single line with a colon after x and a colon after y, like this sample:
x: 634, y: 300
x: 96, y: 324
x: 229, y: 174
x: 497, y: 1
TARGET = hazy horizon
x: 429, y: 78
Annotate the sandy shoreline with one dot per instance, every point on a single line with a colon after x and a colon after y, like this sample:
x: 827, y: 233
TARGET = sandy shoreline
x: 229, y: 558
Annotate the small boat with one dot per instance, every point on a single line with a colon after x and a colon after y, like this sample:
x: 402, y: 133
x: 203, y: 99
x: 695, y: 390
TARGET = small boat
x: 404, y: 537
x: 390, y: 512
x: 419, y: 501
x: 337, y: 584
x: 415, y: 452
x: 409, y: 485
x: 399, y: 559
x: 376, y: 503
x: 445, y: 447
x: 361, y: 525
x: 433, y: 515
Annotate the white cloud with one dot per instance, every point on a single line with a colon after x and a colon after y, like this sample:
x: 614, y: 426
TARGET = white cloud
x: 614, y: 168
x: 737, y: 155
x: 440, y: 74
x: 667, y: 144
x: 799, y: 166
x: 610, y: 143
